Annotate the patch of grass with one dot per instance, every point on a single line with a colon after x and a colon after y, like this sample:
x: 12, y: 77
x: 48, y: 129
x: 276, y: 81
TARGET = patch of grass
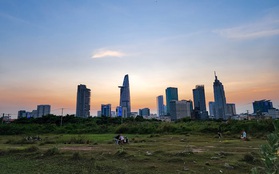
x: 164, y: 154
x: 76, y: 156
x: 32, y: 149
x: 52, y: 151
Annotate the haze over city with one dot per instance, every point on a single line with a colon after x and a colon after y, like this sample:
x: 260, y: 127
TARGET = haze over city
x: 47, y: 48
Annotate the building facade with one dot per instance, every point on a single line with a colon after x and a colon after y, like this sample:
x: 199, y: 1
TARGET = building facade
x: 145, y: 112
x: 83, y: 101
x: 262, y: 106
x: 171, y: 94
x: 180, y: 109
x: 231, y: 111
x: 219, y: 100
x: 199, y: 102
x: 125, y: 101
x: 106, y: 110
x: 211, y: 106
x: 160, y: 106
x: 21, y: 114
x: 43, y: 110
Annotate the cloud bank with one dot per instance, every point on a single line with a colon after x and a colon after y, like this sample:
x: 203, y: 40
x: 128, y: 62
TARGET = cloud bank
x: 107, y: 53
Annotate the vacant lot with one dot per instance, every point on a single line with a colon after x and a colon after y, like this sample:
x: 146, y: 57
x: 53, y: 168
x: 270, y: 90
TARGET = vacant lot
x: 97, y: 153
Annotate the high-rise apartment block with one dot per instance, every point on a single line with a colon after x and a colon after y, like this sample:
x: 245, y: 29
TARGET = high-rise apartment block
x: 199, y: 102
x: 160, y: 106
x: 43, y: 110
x: 180, y: 109
x: 171, y: 94
x: 106, y: 110
x: 125, y: 101
x: 83, y: 101
x: 219, y: 100
x: 231, y: 111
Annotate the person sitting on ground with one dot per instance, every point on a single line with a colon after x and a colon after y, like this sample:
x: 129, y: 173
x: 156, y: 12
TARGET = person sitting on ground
x: 116, y: 139
x: 121, y: 139
x: 243, y: 135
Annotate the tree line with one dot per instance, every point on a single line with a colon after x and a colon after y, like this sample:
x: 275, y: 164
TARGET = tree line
x: 138, y: 125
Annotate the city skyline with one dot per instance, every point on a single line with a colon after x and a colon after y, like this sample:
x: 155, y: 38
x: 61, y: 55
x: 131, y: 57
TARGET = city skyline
x: 47, y: 48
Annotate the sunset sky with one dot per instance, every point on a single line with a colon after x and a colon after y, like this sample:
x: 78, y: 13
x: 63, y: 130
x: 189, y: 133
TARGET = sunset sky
x: 48, y: 47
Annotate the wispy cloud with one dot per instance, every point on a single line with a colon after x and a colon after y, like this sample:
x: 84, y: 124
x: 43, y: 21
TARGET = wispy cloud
x: 107, y: 53
x: 265, y: 28
x: 13, y: 18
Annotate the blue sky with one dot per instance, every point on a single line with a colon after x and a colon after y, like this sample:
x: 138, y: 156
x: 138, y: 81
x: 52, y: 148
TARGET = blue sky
x: 49, y: 47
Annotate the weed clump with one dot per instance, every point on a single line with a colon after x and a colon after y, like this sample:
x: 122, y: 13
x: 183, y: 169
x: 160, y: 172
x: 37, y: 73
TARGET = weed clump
x: 52, y: 151
x: 32, y: 149
x: 76, y: 156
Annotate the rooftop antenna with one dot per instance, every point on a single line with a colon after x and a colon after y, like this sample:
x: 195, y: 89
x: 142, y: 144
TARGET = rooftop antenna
x: 215, y: 75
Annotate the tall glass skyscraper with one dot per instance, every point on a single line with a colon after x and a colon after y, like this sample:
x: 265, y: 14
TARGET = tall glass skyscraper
x: 219, y: 100
x: 160, y: 106
x: 83, y: 101
x: 171, y: 94
x: 199, y: 102
x: 125, y: 101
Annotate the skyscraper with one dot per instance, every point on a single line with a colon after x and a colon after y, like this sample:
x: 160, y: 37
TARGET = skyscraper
x: 171, y: 94
x: 83, y: 101
x: 199, y: 102
x: 219, y: 100
x: 160, y: 106
x: 43, y: 110
x: 125, y: 101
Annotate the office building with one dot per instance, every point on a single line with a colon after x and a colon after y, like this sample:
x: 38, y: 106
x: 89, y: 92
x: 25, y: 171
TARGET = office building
x: 211, y: 109
x: 106, y: 110
x: 262, y: 106
x: 125, y: 101
x: 219, y: 100
x: 180, y: 109
x: 121, y: 112
x: 83, y: 101
x: 145, y: 112
x: 43, y: 110
x: 160, y: 106
x: 171, y: 94
x: 21, y: 114
x: 231, y: 111
x: 199, y: 102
